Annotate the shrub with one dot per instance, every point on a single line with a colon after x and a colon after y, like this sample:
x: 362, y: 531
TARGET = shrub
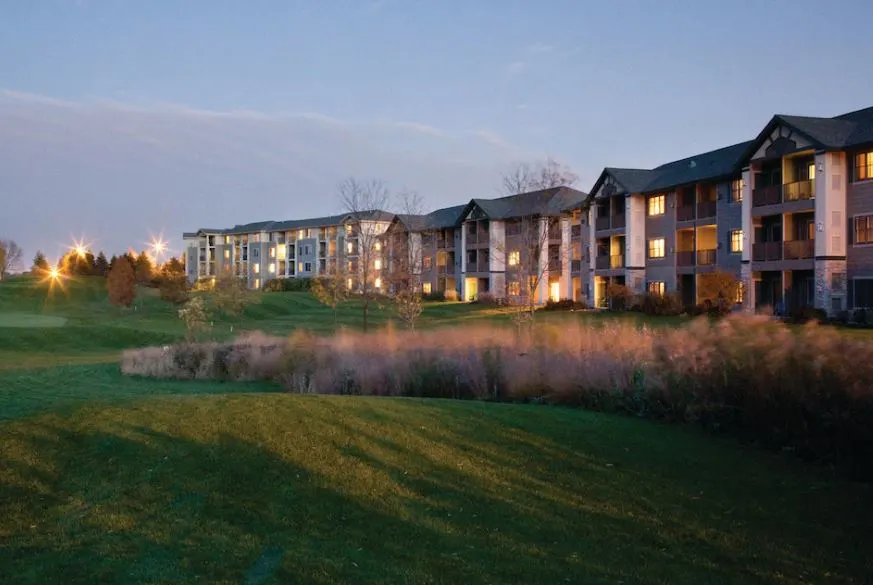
x: 436, y: 295
x: 288, y: 285
x: 617, y: 297
x: 860, y: 316
x: 805, y: 314
x: 804, y: 389
x: 451, y: 295
x: 843, y: 317
x: 486, y: 298
x: 174, y: 289
x: 121, y: 283
x: 656, y: 304
x: 563, y: 305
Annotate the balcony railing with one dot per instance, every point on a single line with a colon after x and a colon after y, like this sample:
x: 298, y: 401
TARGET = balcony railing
x: 472, y: 237
x: 798, y: 191
x: 685, y: 258
x: 601, y: 262
x: 554, y: 233
x: 602, y: 223
x: 685, y: 213
x: 705, y: 257
x: 616, y: 261
x: 799, y: 249
x: 766, y: 251
x: 771, y: 195
x: 479, y: 266
x: 618, y: 221
x: 575, y: 266
x: 555, y: 265
x: 443, y: 269
x: 575, y: 231
x: 706, y: 209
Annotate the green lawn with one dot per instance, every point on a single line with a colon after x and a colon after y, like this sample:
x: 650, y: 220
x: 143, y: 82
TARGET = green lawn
x: 111, y: 479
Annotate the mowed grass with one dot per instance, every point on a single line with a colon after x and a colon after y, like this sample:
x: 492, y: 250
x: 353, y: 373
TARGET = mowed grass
x: 274, y: 488
x: 111, y: 479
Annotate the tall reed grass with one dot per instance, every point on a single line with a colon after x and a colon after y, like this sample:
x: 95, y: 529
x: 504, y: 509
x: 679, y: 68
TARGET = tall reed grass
x: 806, y: 389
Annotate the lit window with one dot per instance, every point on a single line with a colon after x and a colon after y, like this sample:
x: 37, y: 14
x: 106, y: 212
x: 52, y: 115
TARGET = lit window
x: 300, y: 234
x: 271, y: 269
x: 514, y: 258
x: 378, y: 283
x: 227, y: 254
x: 349, y: 247
x: 740, y: 293
x: 811, y: 171
x: 348, y: 229
x: 377, y: 246
x: 377, y: 264
x: 272, y: 252
x: 300, y: 267
x: 281, y: 252
x: 514, y: 288
x: 657, y: 204
x: 257, y: 283
x: 864, y: 166
x: 736, y: 241
x: 226, y: 239
x: 425, y: 288
x: 656, y: 248
x: 863, y: 230
x: 657, y: 287
x: 737, y: 187
x: 349, y: 283
x: 256, y: 267
x: 427, y: 262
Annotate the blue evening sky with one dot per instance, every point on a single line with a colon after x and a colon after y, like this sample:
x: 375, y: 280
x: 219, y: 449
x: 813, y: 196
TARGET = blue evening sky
x: 120, y: 119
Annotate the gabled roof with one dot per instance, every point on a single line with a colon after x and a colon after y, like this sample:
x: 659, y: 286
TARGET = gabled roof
x: 438, y: 219
x: 295, y: 224
x: 545, y: 202
x: 707, y: 166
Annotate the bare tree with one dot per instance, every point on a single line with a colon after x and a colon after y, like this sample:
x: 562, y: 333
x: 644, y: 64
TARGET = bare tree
x: 10, y: 257
x: 362, y: 201
x: 527, y: 177
x: 330, y: 289
x: 405, y: 260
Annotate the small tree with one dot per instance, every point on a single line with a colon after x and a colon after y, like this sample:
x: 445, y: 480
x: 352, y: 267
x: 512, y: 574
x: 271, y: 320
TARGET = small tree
x: 405, y: 262
x: 40, y: 264
x: 331, y: 290
x: 173, y: 267
x: 617, y: 296
x: 718, y: 290
x: 10, y: 257
x: 230, y: 296
x: 121, y: 284
x: 101, y: 265
x: 409, y: 306
x: 143, y: 268
x: 195, y: 317
x: 174, y: 289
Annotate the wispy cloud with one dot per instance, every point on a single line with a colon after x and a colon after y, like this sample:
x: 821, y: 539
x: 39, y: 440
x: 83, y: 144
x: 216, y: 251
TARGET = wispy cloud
x: 116, y: 172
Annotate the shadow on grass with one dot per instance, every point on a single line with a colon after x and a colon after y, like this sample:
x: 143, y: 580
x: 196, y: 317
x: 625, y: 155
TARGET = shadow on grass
x: 309, y: 490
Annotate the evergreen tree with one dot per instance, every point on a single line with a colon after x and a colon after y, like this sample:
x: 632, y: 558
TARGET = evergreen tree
x: 88, y: 264
x: 121, y: 284
x: 173, y: 267
x: 40, y: 264
x: 101, y: 265
x: 143, y: 268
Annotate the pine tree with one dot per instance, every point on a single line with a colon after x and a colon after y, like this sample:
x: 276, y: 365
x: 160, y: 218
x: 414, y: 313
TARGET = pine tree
x: 121, y: 284
x: 173, y: 267
x: 101, y: 265
x: 143, y: 268
x: 40, y: 264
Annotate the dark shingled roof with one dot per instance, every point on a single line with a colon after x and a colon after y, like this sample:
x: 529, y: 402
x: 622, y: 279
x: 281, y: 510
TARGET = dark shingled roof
x: 843, y: 131
x: 294, y: 224
x: 553, y: 201
x: 633, y: 180
x: 702, y: 167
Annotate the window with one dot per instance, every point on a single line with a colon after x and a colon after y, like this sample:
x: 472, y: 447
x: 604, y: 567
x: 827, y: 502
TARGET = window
x: 272, y: 252
x: 736, y: 241
x: 810, y: 171
x: 657, y: 204
x: 741, y: 291
x: 256, y: 267
x: 257, y: 283
x: 514, y: 258
x: 863, y: 230
x: 864, y: 166
x: 300, y: 234
x: 378, y: 246
x: 256, y: 253
x: 863, y: 292
x: 657, y: 287
x: 307, y: 249
x: 514, y: 288
x: 349, y: 247
x: 307, y: 267
x: 427, y: 262
x: 378, y: 282
x: 656, y: 248
x: 348, y: 231
x: 271, y: 268
x: 226, y: 239
x: 737, y: 187
x: 425, y: 288
x: 227, y: 254
x: 377, y: 264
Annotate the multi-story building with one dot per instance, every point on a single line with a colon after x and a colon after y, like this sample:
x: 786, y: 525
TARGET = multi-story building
x: 667, y: 228
x: 258, y: 252
x: 790, y: 213
x: 493, y: 245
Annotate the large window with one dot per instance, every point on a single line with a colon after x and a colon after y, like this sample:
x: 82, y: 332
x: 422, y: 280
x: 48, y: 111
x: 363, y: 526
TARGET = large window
x: 514, y: 288
x: 657, y: 204
x: 736, y: 241
x: 427, y: 262
x: 426, y: 288
x: 514, y: 258
x: 864, y: 166
x: 737, y: 187
x: 863, y: 292
x: 377, y: 264
x: 657, y: 287
x: 656, y: 248
x: 863, y: 229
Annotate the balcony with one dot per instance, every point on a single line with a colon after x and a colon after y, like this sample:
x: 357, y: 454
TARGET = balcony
x: 576, y: 231
x: 554, y: 232
x: 685, y: 258
x: 706, y: 209
x: 555, y: 265
x: 602, y: 223
x: 766, y: 251
x: 771, y: 195
x: 472, y: 237
x: 706, y: 257
x: 480, y: 266
x: 799, y: 249
x: 685, y: 213
x: 618, y: 221
x: 608, y: 222
x: 575, y: 266
x: 798, y: 191
x: 616, y: 261
x: 602, y: 262
x: 442, y: 269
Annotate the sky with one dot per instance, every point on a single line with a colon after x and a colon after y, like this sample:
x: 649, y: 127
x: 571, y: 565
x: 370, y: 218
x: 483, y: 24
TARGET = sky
x: 122, y: 120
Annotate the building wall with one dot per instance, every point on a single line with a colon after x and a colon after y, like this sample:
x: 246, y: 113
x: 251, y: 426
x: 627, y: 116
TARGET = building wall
x: 661, y: 226
x: 311, y: 257
x: 729, y: 217
x: 859, y: 201
x: 635, y: 231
